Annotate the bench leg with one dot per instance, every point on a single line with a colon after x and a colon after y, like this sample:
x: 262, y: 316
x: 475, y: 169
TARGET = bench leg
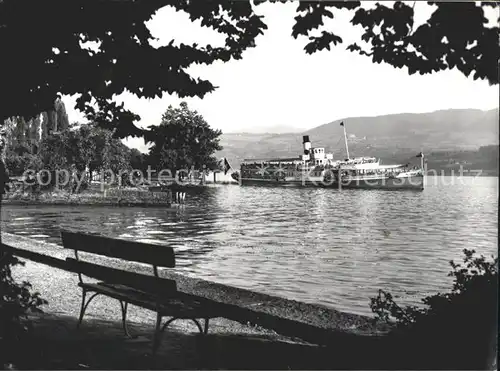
x: 205, y: 330
x: 124, y: 306
x: 160, y: 329
x: 157, y: 334
x: 82, y: 309
x: 84, y: 306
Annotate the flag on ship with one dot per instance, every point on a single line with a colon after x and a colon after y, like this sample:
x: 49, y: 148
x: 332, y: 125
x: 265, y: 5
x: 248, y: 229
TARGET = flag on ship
x: 226, y: 166
x: 342, y: 123
x: 420, y: 154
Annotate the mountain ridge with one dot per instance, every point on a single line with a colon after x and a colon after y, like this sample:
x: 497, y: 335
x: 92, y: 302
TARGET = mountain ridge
x: 275, y: 129
x: 386, y: 136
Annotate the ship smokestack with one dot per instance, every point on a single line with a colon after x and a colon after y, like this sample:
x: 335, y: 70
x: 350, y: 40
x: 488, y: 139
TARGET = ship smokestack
x: 307, y: 144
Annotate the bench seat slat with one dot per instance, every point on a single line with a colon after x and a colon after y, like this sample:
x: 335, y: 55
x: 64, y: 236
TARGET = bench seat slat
x: 150, y: 284
x: 161, y: 256
x: 180, y: 306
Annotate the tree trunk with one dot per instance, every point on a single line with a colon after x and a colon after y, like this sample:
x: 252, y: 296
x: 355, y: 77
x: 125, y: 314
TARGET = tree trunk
x: 3, y: 169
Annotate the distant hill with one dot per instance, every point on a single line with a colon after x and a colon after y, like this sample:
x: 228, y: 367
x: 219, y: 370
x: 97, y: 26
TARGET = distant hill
x: 390, y: 137
x: 484, y: 159
x: 274, y: 129
x: 440, y: 130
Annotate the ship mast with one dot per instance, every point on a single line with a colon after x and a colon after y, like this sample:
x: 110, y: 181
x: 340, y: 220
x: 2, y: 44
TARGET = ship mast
x: 345, y: 139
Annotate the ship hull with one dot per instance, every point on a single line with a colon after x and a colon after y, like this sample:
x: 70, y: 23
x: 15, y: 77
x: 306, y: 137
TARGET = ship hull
x: 403, y: 183
x: 410, y: 183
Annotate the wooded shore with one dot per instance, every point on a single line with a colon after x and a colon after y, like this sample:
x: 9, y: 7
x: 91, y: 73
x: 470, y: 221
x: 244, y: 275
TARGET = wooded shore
x: 109, y: 197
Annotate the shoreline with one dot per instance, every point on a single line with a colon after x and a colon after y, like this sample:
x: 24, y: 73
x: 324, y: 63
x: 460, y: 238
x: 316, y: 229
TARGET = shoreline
x: 109, y: 197
x: 267, y: 313
x: 93, y: 204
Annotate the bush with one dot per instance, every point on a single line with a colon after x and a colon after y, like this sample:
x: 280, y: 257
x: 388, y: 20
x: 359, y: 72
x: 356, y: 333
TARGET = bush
x: 16, y: 301
x: 457, y: 329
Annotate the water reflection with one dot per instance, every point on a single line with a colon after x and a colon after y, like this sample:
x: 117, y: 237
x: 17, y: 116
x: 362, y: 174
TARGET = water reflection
x: 318, y: 245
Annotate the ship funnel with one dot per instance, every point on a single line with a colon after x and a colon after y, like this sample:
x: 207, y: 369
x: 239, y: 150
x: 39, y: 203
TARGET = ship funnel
x: 307, y: 144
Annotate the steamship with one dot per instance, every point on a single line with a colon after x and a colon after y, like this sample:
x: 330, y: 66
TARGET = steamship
x: 315, y: 167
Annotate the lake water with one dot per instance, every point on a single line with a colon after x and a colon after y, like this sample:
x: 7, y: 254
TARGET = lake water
x: 325, y: 246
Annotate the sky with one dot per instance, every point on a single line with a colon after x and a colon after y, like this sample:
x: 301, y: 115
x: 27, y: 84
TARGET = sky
x: 277, y: 84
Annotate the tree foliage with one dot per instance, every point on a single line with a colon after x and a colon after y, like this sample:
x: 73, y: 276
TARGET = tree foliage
x: 56, y: 58
x: 49, y: 54
x: 138, y: 160
x: 456, y: 35
x: 86, y: 148
x: 457, y: 329
x: 22, y: 142
x: 183, y: 140
x: 97, y: 150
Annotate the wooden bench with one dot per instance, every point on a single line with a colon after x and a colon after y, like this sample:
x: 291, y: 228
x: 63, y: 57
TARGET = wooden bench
x: 147, y: 291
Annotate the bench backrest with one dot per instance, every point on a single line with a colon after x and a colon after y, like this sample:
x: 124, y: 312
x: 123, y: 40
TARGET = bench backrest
x: 160, y: 256
x: 157, y: 256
